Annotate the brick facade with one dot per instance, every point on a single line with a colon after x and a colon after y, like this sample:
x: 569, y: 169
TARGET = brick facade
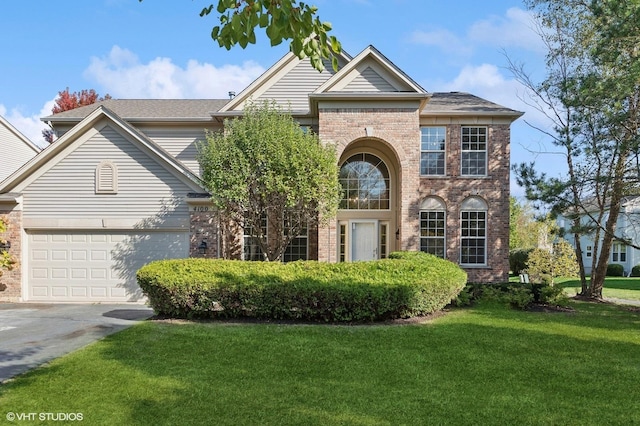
x: 397, y: 132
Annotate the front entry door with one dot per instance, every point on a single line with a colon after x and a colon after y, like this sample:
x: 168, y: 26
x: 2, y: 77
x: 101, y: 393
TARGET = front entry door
x: 364, y: 240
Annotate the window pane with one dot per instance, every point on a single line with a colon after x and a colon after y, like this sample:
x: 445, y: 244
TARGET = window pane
x: 432, y: 146
x: 474, y: 151
x: 473, y: 242
x: 432, y: 232
x: 365, y: 183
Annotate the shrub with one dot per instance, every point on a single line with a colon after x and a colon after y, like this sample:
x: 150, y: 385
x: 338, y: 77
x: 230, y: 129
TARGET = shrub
x: 615, y: 270
x: 565, y: 262
x: 518, y: 260
x: 520, y: 295
x: 539, y: 265
x: 543, y: 266
x: 635, y: 271
x: 407, y: 284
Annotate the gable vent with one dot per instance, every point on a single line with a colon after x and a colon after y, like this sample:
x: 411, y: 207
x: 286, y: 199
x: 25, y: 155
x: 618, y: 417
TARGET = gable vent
x: 106, y: 178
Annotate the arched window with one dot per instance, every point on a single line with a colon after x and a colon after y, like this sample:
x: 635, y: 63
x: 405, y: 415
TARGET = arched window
x: 433, y: 217
x: 365, y: 183
x: 106, y: 178
x: 473, y: 225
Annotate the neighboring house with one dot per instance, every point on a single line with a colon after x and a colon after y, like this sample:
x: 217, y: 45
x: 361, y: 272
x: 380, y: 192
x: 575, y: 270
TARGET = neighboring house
x: 627, y: 228
x: 15, y: 149
x: 120, y: 185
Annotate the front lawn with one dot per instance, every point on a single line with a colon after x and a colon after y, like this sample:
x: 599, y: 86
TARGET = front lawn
x: 614, y: 287
x: 485, y: 365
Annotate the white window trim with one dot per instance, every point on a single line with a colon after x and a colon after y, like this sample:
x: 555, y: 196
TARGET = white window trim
x: 486, y: 151
x: 444, y: 151
x: 475, y: 204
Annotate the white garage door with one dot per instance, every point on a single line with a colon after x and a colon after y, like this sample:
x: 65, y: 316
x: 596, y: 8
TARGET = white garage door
x: 95, y: 266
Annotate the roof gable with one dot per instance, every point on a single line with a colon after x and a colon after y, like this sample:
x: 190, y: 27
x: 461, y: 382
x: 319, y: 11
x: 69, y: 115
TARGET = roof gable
x: 370, y: 71
x: 15, y: 147
x: 57, y: 151
x: 289, y: 82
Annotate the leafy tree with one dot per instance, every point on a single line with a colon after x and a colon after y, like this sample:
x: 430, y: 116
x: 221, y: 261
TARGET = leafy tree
x: 525, y: 230
x: 67, y: 101
x: 265, y: 164
x: 282, y: 20
x: 592, y: 94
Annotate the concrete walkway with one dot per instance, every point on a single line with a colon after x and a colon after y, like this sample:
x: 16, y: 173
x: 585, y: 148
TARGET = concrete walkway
x: 32, y: 334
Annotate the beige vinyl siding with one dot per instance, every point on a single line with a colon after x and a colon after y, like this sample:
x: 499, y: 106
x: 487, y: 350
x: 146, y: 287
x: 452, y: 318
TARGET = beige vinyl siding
x: 147, y: 194
x: 180, y: 142
x: 292, y: 90
x: 369, y: 81
x: 15, y: 152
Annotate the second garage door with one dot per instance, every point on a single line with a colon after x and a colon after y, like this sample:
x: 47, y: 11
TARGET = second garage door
x: 95, y: 266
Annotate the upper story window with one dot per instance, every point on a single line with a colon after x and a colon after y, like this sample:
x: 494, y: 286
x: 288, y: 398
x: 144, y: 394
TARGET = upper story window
x: 474, y: 151
x: 106, y: 178
x: 589, y: 251
x: 473, y: 221
x: 365, y: 183
x: 432, y: 151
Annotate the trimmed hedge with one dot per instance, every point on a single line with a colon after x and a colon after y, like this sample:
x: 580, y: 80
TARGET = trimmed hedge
x: 405, y: 285
x: 615, y: 270
x: 635, y: 271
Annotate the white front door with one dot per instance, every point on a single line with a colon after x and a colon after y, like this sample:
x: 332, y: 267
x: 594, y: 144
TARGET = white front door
x: 364, y: 240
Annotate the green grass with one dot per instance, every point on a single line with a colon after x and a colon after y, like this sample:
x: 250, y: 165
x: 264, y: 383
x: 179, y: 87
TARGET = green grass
x: 485, y: 365
x: 614, y: 287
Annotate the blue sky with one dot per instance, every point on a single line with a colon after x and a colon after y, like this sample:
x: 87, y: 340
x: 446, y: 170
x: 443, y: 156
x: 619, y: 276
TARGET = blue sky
x: 163, y: 49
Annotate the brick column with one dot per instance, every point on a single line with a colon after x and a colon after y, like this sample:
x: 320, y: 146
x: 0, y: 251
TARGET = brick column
x: 11, y: 281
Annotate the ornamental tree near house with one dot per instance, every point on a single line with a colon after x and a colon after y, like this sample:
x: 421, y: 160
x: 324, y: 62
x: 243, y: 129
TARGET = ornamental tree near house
x: 264, y: 165
x: 67, y: 101
x: 282, y: 20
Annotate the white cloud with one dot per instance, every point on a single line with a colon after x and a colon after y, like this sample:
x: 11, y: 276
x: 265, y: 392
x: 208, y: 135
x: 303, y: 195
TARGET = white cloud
x: 517, y: 29
x: 29, y: 125
x: 123, y: 76
x: 442, y: 39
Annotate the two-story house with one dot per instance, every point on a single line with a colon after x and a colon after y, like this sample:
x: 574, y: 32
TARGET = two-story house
x: 120, y: 187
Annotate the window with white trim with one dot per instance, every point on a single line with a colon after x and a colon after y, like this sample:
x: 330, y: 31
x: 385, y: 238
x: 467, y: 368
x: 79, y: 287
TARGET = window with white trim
x: 473, y: 227
x: 473, y: 157
x: 106, y: 180
x: 433, y: 227
x: 618, y: 252
x: 432, y: 151
x: 589, y: 251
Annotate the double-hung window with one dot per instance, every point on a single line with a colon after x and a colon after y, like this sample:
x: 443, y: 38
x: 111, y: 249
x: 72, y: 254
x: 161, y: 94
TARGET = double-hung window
x: 432, y: 151
x: 473, y: 221
x: 618, y: 252
x: 474, y: 151
x: 432, y: 227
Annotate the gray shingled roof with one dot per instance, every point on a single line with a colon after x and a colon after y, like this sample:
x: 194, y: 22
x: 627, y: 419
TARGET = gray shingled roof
x: 461, y: 103
x: 144, y: 109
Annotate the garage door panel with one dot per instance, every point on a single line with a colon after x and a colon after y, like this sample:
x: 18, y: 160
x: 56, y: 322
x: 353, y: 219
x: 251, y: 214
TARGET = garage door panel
x: 98, y: 266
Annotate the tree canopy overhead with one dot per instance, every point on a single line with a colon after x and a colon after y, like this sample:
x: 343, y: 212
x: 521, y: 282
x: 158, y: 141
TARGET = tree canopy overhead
x: 282, y: 20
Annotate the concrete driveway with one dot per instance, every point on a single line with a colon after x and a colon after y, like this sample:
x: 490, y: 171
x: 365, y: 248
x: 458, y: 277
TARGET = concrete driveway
x: 32, y: 334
